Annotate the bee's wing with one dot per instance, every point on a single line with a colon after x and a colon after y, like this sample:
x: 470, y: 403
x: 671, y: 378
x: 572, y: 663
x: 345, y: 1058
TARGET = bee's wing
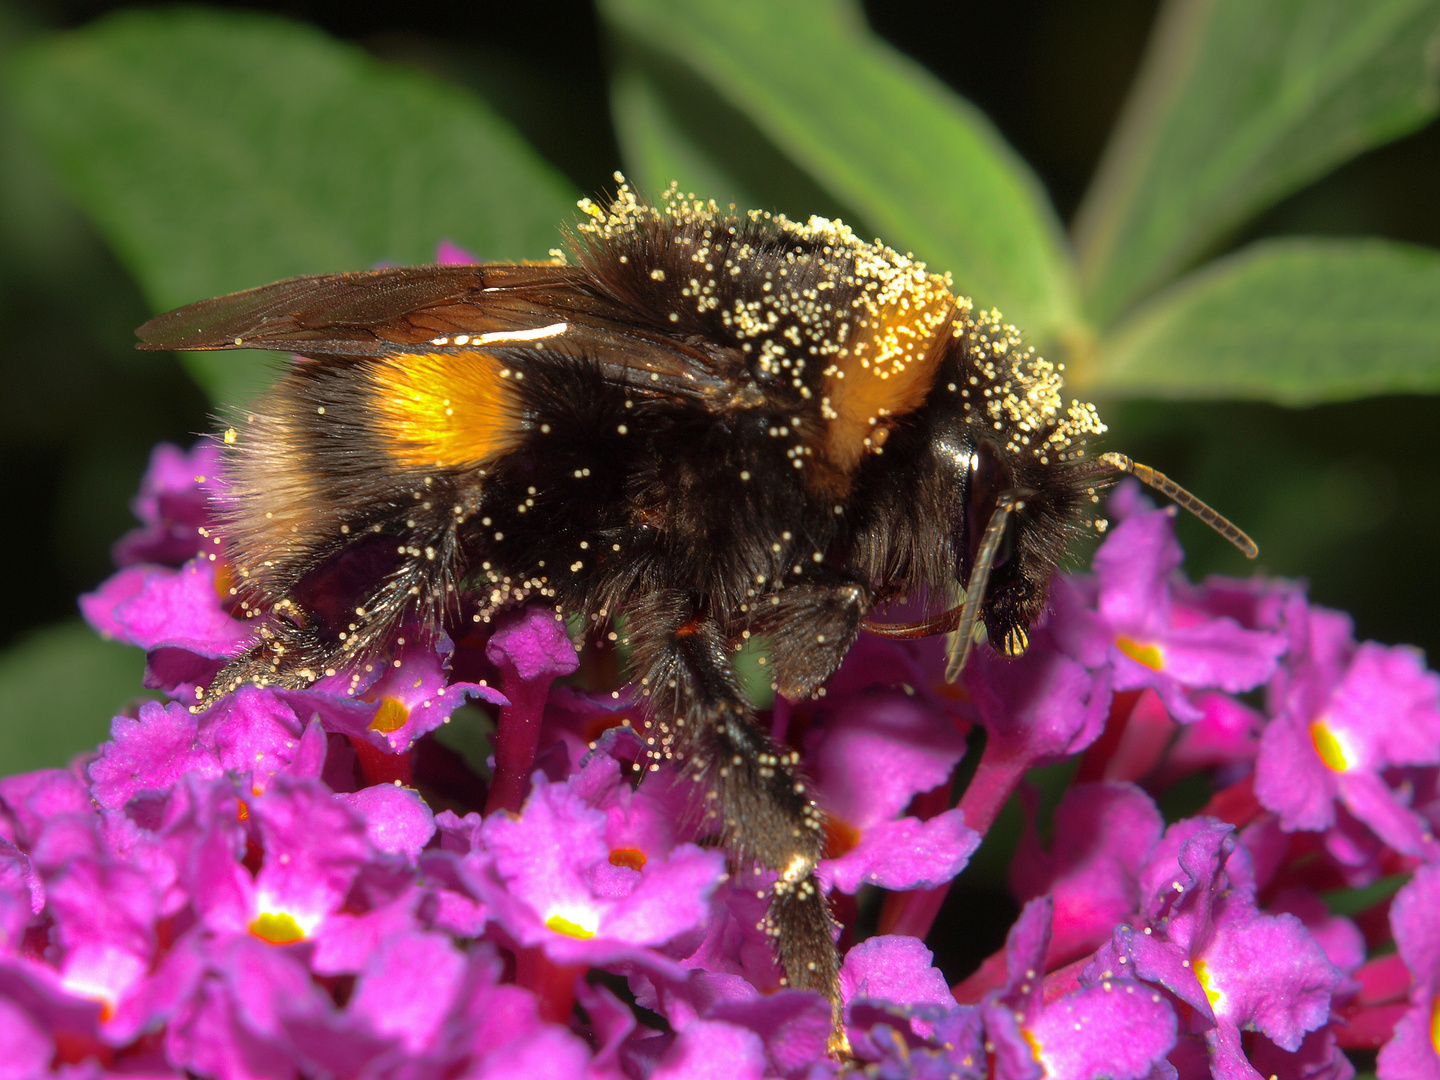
x: 427, y: 308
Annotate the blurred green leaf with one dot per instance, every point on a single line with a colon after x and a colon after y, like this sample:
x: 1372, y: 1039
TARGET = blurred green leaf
x: 879, y: 133
x: 219, y: 151
x: 1237, y: 104
x: 1293, y: 322
x: 59, y: 689
x: 1352, y: 902
x: 655, y: 104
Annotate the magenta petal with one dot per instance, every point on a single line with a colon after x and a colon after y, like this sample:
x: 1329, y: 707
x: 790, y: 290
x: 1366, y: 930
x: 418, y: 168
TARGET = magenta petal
x: 150, y: 752
x: 407, y: 987
x: 1410, y: 1054
x: 1290, y: 778
x: 154, y: 607
x: 1319, y: 1058
x: 1282, y: 999
x: 793, y: 1026
x: 1417, y: 930
x: 1222, y: 655
x: 1121, y: 1029
x: 1339, y: 937
x: 1371, y: 800
x: 877, y: 753
x: 25, y: 1046
x: 31, y: 800
x: 1044, y: 701
x: 552, y: 1053
x: 417, y: 679
x: 1159, y: 962
x: 22, y: 894
x: 173, y: 504
x: 1103, y: 835
x: 1013, y: 1057
x: 710, y: 1050
x: 897, y: 969
x: 252, y: 731
x: 104, y: 919
x: 396, y: 819
x: 313, y: 847
x: 1135, y: 565
x: 452, y: 254
x: 1394, y: 684
x: 533, y: 645
x: 346, y: 941
x: 547, y: 859
x: 906, y: 854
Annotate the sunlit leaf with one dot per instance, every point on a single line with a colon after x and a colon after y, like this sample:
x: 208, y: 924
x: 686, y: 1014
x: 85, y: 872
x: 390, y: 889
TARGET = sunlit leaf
x: 1237, y: 104
x: 875, y: 130
x: 219, y: 150
x: 1293, y: 322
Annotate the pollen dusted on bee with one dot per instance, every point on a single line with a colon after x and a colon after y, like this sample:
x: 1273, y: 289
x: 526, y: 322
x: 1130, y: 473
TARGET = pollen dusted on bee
x: 721, y: 428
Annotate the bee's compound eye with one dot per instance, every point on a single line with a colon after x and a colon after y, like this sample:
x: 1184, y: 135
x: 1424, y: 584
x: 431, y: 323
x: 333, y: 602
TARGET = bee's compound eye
x: 989, y: 477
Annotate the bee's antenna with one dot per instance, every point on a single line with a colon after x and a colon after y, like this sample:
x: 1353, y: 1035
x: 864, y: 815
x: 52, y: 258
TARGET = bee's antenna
x: 962, y: 640
x: 1177, y: 494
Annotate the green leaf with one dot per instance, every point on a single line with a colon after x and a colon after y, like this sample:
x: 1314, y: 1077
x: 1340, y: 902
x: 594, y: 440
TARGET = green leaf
x: 878, y: 133
x: 1237, y: 104
x: 219, y: 151
x: 59, y: 689
x: 1293, y: 322
x: 1352, y: 902
x: 654, y: 103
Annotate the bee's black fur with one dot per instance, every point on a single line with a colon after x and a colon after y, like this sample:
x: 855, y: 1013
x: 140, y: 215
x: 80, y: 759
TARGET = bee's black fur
x: 645, y: 461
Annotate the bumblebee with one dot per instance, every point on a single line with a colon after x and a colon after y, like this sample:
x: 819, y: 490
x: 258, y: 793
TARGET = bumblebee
x: 720, y: 425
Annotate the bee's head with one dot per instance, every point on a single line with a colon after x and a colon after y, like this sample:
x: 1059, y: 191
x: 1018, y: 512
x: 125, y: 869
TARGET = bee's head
x: 1020, y: 514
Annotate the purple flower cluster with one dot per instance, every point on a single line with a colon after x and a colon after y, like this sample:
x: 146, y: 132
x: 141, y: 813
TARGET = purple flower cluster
x: 313, y: 883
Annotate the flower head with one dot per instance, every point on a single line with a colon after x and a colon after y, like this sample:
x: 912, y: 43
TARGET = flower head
x: 342, y: 880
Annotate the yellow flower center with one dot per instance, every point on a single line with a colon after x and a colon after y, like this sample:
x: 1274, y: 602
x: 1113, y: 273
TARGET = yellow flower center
x: 1149, y: 655
x: 1330, y: 749
x: 277, y: 928
x: 1213, y: 992
x: 390, y: 716
x: 562, y: 925
x: 1435, y: 1023
x: 1034, y: 1046
x: 634, y: 858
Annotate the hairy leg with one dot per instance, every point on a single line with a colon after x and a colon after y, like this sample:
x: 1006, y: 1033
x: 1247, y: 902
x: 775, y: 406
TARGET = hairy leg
x: 766, y: 815
x: 336, y: 617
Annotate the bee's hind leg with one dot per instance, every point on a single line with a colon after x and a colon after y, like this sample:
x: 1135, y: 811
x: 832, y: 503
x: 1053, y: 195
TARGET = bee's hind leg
x: 699, y: 713
x: 337, y: 618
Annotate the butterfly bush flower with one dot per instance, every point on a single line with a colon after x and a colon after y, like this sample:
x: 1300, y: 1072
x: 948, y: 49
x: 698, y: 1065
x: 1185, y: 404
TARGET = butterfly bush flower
x: 314, y: 882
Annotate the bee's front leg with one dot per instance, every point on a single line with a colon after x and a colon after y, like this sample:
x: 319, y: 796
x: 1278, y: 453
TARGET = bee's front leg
x: 767, y: 817
x: 811, y: 626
